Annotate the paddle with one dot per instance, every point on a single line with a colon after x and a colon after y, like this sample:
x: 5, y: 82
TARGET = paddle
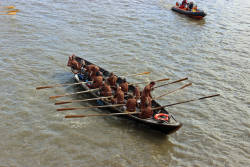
x: 72, y: 101
x: 8, y: 11
x: 157, y: 108
x: 86, y: 91
x: 11, y: 13
x: 183, y: 79
x: 189, y: 84
x: 160, y: 80
x: 10, y: 7
x: 77, y: 108
x: 59, y: 85
x: 91, y: 115
x: 143, y: 73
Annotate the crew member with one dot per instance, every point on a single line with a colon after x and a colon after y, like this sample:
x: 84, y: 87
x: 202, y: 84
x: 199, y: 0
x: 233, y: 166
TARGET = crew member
x: 147, y: 90
x: 75, y: 65
x: 112, y: 80
x: 137, y: 92
x: 97, y: 81
x: 131, y: 104
x: 190, y: 6
x: 124, y: 86
x: 146, y: 109
x: 119, y: 97
x: 183, y: 4
x: 106, y: 90
x: 92, y: 70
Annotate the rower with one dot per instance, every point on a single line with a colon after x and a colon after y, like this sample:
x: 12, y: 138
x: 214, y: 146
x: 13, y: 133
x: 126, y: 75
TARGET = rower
x: 146, y: 109
x: 147, y: 90
x: 137, y: 92
x: 97, y: 81
x: 131, y: 104
x: 91, y: 70
x: 112, y: 80
x: 124, y: 86
x: 105, y: 90
x: 119, y: 97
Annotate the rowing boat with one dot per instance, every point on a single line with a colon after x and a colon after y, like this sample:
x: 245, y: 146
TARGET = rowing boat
x: 167, y: 127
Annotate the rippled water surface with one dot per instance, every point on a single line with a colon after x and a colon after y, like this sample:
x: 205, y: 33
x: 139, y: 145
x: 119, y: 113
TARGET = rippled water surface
x: 125, y: 36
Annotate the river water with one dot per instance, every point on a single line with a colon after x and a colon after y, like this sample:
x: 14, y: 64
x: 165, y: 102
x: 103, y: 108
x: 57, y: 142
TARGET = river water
x: 125, y: 36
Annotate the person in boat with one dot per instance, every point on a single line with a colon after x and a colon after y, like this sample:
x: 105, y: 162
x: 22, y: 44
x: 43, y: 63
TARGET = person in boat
x: 97, y: 81
x: 112, y: 80
x: 119, y: 97
x: 190, y: 6
x: 75, y: 65
x: 124, y: 86
x: 131, y: 104
x: 146, y: 108
x: 92, y: 70
x: 137, y: 92
x: 183, y: 4
x: 147, y: 90
x: 105, y: 90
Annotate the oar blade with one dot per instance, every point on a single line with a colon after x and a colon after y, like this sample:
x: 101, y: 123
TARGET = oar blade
x: 54, y: 97
x: 63, y: 102
x: 10, y: 7
x: 65, y: 109
x: 43, y: 87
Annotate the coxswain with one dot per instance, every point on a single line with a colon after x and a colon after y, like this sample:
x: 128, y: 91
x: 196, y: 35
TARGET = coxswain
x: 131, y: 104
x: 105, y: 90
x: 119, y: 97
x: 137, y: 92
x: 124, y: 86
x: 97, y: 81
x: 147, y: 90
x: 146, y: 109
x: 75, y: 65
x: 112, y: 80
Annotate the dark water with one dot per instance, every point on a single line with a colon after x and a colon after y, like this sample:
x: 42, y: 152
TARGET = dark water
x: 125, y: 36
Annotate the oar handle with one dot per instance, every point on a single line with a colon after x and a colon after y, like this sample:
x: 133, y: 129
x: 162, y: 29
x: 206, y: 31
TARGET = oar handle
x: 64, y: 109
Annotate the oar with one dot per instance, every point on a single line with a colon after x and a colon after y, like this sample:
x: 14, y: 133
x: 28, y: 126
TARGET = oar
x: 59, y: 85
x: 183, y: 79
x: 160, y: 80
x: 157, y: 108
x: 8, y: 11
x: 143, y: 73
x: 11, y: 13
x: 69, y: 94
x: 91, y: 115
x: 189, y: 84
x: 10, y: 7
x: 72, y: 101
x: 77, y: 108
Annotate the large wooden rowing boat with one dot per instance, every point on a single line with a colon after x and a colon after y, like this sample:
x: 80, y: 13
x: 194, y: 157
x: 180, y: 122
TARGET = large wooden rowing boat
x: 166, y: 127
